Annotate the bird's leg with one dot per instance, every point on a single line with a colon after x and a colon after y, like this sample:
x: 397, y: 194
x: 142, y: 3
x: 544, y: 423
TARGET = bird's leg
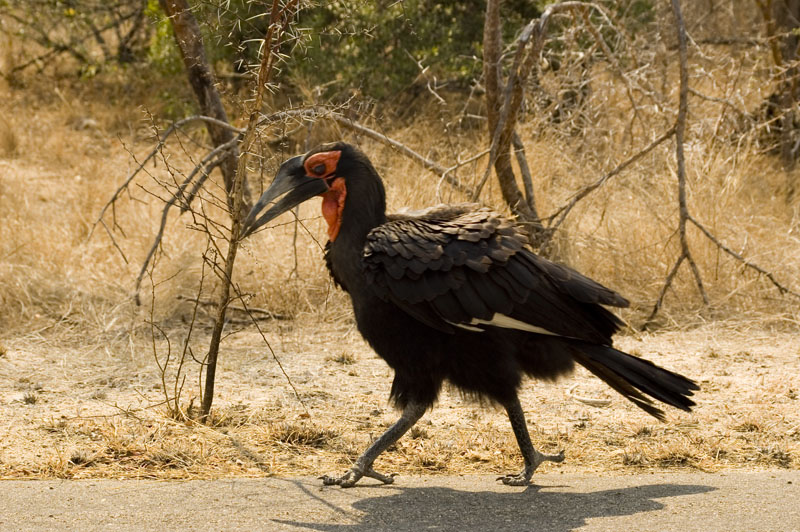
x: 531, y: 456
x: 363, y: 466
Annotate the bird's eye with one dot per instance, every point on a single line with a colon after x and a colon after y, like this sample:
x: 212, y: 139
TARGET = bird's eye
x: 320, y: 164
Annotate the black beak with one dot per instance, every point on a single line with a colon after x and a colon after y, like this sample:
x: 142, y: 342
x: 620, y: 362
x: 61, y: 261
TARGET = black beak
x: 292, y: 186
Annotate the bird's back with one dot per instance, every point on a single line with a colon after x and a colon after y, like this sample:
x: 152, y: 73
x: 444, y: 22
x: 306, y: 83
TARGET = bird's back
x: 461, y: 266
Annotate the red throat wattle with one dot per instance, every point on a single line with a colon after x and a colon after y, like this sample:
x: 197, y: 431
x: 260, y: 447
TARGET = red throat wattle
x: 332, y: 207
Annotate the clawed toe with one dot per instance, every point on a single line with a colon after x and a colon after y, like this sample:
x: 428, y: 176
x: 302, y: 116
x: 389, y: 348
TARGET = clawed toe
x: 556, y: 457
x: 515, y: 480
x: 524, y: 478
x: 386, y: 479
x: 353, y: 475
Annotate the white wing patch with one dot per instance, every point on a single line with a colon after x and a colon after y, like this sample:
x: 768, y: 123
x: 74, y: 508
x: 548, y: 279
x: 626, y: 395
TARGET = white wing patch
x: 506, y: 322
x: 467, y: 327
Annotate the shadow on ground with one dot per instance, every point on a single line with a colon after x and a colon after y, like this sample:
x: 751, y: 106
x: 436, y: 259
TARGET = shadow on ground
x: 535, y: 508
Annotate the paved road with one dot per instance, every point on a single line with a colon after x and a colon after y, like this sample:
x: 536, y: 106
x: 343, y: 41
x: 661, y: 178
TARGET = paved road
x: 740, y: 501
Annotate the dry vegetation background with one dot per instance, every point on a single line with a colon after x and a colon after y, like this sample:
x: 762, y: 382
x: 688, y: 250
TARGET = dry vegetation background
x: 81, y: 394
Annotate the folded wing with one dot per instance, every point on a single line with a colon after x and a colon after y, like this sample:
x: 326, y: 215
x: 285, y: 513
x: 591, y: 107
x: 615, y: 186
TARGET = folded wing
x: 460, y: 266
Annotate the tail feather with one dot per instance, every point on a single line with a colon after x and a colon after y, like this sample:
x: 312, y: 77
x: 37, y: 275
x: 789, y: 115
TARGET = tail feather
x: 633, y: 377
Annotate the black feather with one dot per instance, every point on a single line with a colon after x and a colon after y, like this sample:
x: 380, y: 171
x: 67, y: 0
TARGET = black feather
x: 418, y: 280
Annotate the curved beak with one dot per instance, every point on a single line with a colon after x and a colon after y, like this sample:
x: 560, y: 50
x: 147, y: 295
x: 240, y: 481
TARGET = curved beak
x: 290, y: 187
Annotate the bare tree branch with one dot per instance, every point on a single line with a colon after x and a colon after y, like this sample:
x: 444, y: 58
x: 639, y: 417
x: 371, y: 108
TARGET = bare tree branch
x: 728, y: 103
x: 563, y: 211
x: 502, y: 119
x: 680, y: 129
x: 405, y: 150
x: 611, y: 57
x: 205, y: 166
x: 783, y: 289
x: 159, y: 145
x: 524, y: 169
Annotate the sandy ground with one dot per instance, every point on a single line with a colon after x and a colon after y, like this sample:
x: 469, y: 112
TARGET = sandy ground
x: 97, y: 410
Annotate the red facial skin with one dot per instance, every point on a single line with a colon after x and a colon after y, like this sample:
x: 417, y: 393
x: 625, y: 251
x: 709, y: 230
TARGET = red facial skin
x: 323, y: 166
x: 332, y: 207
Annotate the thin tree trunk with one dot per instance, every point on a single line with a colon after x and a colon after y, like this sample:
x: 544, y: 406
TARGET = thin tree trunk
x: 272, y: 41
x: 190, y: 43
x: 502, y: 115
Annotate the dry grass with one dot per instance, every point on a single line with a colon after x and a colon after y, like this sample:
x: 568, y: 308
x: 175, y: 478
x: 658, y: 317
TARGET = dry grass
x: 86, y: 400
x: 102, y: 418
x: 9, y: 140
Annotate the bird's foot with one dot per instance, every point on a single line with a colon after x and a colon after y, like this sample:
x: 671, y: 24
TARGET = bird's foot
x: 354, y: 474
x: 524, y: 477
x: 520, y: 479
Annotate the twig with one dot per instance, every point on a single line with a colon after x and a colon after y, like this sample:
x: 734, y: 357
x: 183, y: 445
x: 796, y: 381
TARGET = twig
x: 272, y: 352
x: 723, y: 101
x: 424, y: 73
x: 402, y: 148
x: 611, y: 57
x: 114, y: 241
x: 187, y: 349
x: 455, y: 167
x: 783, y: 289
x: 527, y: 179
x: 663, y: 291
x: 268, y: 314
x: 161, y: 141
x: 221, y: 149
x: 212, y: 159
x: 564, y: 210
x: 587, y: 400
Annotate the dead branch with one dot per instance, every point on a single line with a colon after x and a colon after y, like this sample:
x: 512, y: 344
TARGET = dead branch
x: 728, y: 103
x: 272, y: 352
x: 611, y: 57
x: 205, y: 166
x: 159, y: 145
x: 525, y: 170
x: 563, y: 211
x: 783, y: 289
x: 266, y: 314
x: 680, y: 129
x: 402, y: 148
x: 459, y: 164
x: 502, y: 119
x: 211, y: 160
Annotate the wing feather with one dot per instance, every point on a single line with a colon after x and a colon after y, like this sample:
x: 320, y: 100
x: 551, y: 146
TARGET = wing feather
x: 463, y: 265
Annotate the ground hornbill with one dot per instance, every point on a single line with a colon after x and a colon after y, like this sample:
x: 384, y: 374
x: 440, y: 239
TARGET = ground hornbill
x: 452, y: 294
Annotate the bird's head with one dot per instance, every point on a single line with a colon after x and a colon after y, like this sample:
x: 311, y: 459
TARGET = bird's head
x: 328, y: 171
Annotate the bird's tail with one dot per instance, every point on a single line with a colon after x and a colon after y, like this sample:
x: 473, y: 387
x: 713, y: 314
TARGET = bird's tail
x: 634, y: 377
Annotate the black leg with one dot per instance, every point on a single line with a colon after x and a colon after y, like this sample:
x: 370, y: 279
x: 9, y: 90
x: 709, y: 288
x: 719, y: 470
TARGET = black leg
x: 531, y: 456
x: 363, y: 466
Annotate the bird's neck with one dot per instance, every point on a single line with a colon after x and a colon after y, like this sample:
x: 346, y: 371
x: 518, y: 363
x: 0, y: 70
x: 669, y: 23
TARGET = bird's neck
x: 357, y: 222
x: 364, y: 210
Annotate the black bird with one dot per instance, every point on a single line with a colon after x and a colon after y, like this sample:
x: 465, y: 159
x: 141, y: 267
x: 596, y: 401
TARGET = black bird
x: 452, y: 294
